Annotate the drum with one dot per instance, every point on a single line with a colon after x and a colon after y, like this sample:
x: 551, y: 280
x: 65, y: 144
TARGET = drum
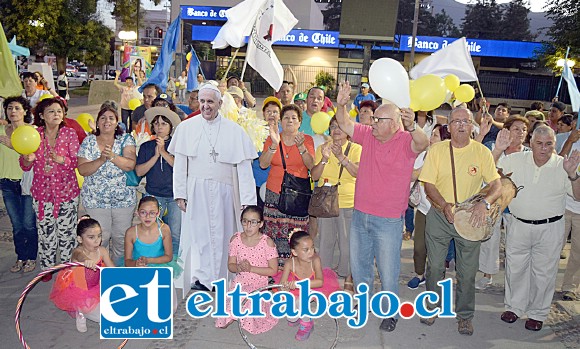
x: 463, y: 211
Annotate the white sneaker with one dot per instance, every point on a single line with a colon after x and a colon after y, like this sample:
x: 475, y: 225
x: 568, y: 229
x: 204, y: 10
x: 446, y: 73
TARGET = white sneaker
x: 482, y: 283
x: 81, y: 322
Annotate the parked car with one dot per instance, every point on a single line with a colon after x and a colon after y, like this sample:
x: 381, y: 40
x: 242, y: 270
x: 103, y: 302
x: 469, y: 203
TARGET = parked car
x: 74, y: 80
x: 83, y: 72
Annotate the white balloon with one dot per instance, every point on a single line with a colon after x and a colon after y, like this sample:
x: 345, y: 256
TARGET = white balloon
x: 390, y: 80
x: 263, y: 191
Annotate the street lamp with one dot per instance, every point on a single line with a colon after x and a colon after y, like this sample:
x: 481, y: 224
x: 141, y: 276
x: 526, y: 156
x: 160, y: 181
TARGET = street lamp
x: 560, y: 62
x: 127, y: 35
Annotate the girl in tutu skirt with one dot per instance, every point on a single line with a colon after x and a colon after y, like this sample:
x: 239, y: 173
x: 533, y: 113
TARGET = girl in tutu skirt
x: 253, y: 258
x: 305, y: 264
x: 149, y: 242
x: 76, y: 289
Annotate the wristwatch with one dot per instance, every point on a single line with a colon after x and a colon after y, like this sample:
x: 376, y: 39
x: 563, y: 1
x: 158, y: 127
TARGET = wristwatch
x: 487, y: 204
x: 414, y: 127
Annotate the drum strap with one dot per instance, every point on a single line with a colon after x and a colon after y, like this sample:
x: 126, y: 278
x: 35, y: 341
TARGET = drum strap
x: 453, y: 172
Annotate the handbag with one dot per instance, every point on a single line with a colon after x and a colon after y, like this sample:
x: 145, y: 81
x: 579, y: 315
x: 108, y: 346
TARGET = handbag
x: 324, y: 200
x: 415, y: 195
x: 132, y: 180
x: 295, y: 193
x: 62, y: 83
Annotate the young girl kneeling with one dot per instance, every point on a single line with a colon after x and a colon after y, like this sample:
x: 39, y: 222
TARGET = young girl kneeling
x: 76, y: 290
x: 253, y: 258
x: 305, y: 264
x: 148, y: 244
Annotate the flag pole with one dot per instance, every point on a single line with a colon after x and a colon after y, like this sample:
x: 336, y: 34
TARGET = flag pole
x: 231, y: 63
x: 482, y: 97
x: 562, y: 76
x: 244, y: 69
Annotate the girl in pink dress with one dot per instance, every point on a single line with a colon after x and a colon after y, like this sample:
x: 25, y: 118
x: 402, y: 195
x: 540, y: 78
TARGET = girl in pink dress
x: 76, y: 289
x: 305, y: 264
x: 253, y: 258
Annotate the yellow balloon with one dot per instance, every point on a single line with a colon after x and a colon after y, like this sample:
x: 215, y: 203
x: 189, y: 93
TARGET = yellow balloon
x: 415, y: 106
x: 452, y: 82
x: 188, y: 56
x: 177, y: 83
x: 83, y: 120
x: 320, y: 122
x: 80, y: 179
x: 464, y: 93
x: 352, y: 113
x: 428, y: 92
x: 331, y: 113
x: 134, y: 103
x: 45, y: 96
x: 25, y: 139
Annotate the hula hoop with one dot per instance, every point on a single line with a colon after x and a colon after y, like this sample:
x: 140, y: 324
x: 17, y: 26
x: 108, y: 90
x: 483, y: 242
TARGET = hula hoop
x: 30, y: 286
x: 245, y: 337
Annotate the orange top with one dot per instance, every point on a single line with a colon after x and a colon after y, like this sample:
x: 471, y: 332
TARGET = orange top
x: 294, y: 164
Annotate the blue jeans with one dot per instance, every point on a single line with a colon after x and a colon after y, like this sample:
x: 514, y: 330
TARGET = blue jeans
x: 172, y: 219
x: 410, y: 219
x: 22, y: 217
x: 371, y: 238
x: 451, y: 251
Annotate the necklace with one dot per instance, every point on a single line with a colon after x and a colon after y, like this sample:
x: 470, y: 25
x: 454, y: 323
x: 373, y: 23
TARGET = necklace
x: 209, y: 136
x: 47, y: 149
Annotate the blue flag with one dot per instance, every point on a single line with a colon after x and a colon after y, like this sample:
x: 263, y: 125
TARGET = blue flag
x: 192, y: 71
x: 160, y: 72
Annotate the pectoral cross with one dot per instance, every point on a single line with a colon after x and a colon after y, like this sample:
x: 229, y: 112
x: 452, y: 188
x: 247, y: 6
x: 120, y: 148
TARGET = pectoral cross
x: 213, y: 154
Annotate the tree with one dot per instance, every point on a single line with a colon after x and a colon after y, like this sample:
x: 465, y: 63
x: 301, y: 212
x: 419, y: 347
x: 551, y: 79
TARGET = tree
x: 405, y: 19
x: 332, y: 15
x: 565, y: 31
x: 482, y: 20
x: 444, y: 25
x: 70, y: 28
x: 124, y: 10
x: 515, y: 24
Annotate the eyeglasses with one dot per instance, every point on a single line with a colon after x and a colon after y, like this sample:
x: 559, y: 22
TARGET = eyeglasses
x: 461, y: 122
x: 333, y: 127
x: 252, y: 223
x: 272, y: 112
x: 148, y: 213
x: 377, y: 119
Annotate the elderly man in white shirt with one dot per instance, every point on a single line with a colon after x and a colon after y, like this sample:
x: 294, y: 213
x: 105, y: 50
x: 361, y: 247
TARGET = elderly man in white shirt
x: 534, y: 236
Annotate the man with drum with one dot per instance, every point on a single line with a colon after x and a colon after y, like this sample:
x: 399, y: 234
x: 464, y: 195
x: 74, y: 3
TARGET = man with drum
x: 536, y: 232
x: 453, y: 172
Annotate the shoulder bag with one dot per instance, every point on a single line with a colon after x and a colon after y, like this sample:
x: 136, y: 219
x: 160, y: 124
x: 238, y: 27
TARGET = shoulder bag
x: 324, y: 200
x: 132, y: 180
x: 295, y: 193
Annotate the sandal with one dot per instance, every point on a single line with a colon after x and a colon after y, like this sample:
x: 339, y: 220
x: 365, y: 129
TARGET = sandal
x: 17, y: 266
x: 349, y: 287
x: 29, y: 266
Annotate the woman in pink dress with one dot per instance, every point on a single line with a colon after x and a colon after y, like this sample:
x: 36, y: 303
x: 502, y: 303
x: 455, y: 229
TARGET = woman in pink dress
x: 253, y: 258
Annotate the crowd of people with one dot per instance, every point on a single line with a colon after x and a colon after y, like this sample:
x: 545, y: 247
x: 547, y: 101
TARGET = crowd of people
x: 214, y: 204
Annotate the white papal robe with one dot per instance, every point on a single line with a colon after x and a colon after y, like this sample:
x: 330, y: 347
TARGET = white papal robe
x: 211, y: 216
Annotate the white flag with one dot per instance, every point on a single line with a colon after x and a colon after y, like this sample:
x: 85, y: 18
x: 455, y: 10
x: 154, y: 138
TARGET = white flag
x: 572, y: 87
x: 273, y: 22
x: 453, y: 59
x: 241, y: 19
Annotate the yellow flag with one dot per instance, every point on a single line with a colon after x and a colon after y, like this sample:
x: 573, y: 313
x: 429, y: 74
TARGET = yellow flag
x: 9, y: 81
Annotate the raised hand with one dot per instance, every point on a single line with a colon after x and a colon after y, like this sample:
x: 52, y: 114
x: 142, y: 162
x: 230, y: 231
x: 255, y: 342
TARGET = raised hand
x: 503, y: 140
x: 407, y: 117
x: 571, y: 163
x: 299, y: 139
x: 485, y: 124
x: 325, y: 150
x: 343, y: 94
x: 337, y: 150
x: 574, y: 136
x: 274, y: 133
